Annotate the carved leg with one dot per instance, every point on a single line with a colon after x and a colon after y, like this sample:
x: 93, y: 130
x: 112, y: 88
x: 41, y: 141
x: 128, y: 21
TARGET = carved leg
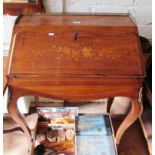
x: 19, y: 119
x: 109, y: 104
x: 134, y: 113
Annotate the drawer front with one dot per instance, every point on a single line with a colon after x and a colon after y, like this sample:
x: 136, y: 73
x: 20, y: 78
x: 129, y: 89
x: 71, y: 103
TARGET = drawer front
x: 76, y: 88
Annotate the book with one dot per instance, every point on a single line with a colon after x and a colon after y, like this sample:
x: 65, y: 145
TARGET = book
x: 93, y: 125
x: 95, y: 145
x: 94, y: 135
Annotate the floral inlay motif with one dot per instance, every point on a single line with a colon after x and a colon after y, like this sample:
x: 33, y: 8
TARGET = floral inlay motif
x: 76, y: 53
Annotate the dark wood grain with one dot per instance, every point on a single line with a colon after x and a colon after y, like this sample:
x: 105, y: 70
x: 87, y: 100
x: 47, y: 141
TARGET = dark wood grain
x: 16, y: 9
x: 76, y: 58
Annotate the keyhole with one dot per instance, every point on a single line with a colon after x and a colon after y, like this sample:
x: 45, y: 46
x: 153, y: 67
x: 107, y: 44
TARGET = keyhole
x: 76, y: 36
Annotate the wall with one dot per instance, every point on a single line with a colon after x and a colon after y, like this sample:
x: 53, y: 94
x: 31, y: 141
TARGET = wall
x: 141, y: 10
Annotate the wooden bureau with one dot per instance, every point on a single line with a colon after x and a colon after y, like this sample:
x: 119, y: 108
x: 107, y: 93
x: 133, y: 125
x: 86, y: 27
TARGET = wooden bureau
x: 75, y: 57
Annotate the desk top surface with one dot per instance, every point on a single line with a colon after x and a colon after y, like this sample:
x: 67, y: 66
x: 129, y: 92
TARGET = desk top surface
x: 76, y: 46
x: 76, y: 20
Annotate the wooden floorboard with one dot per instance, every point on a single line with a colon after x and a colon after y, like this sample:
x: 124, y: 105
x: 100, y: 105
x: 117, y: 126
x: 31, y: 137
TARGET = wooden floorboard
x: 133, y: 141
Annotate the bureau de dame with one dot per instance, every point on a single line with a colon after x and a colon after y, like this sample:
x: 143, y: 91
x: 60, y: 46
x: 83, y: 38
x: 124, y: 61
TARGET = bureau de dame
x: 74, y: 57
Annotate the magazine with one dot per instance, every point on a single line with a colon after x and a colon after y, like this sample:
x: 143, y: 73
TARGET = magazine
x: 95, y: 145
x: 93, y: 125
x: 46, y: 113
x: 94, y: 135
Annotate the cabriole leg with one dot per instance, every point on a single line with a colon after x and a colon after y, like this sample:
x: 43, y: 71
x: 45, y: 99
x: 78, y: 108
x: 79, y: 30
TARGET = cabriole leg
x: 19, y: 119
x: 134, y: 113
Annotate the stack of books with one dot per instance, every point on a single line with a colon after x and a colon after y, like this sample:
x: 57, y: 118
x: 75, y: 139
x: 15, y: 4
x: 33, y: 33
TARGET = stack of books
x: 60, y: 137
x: 73, y: 134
